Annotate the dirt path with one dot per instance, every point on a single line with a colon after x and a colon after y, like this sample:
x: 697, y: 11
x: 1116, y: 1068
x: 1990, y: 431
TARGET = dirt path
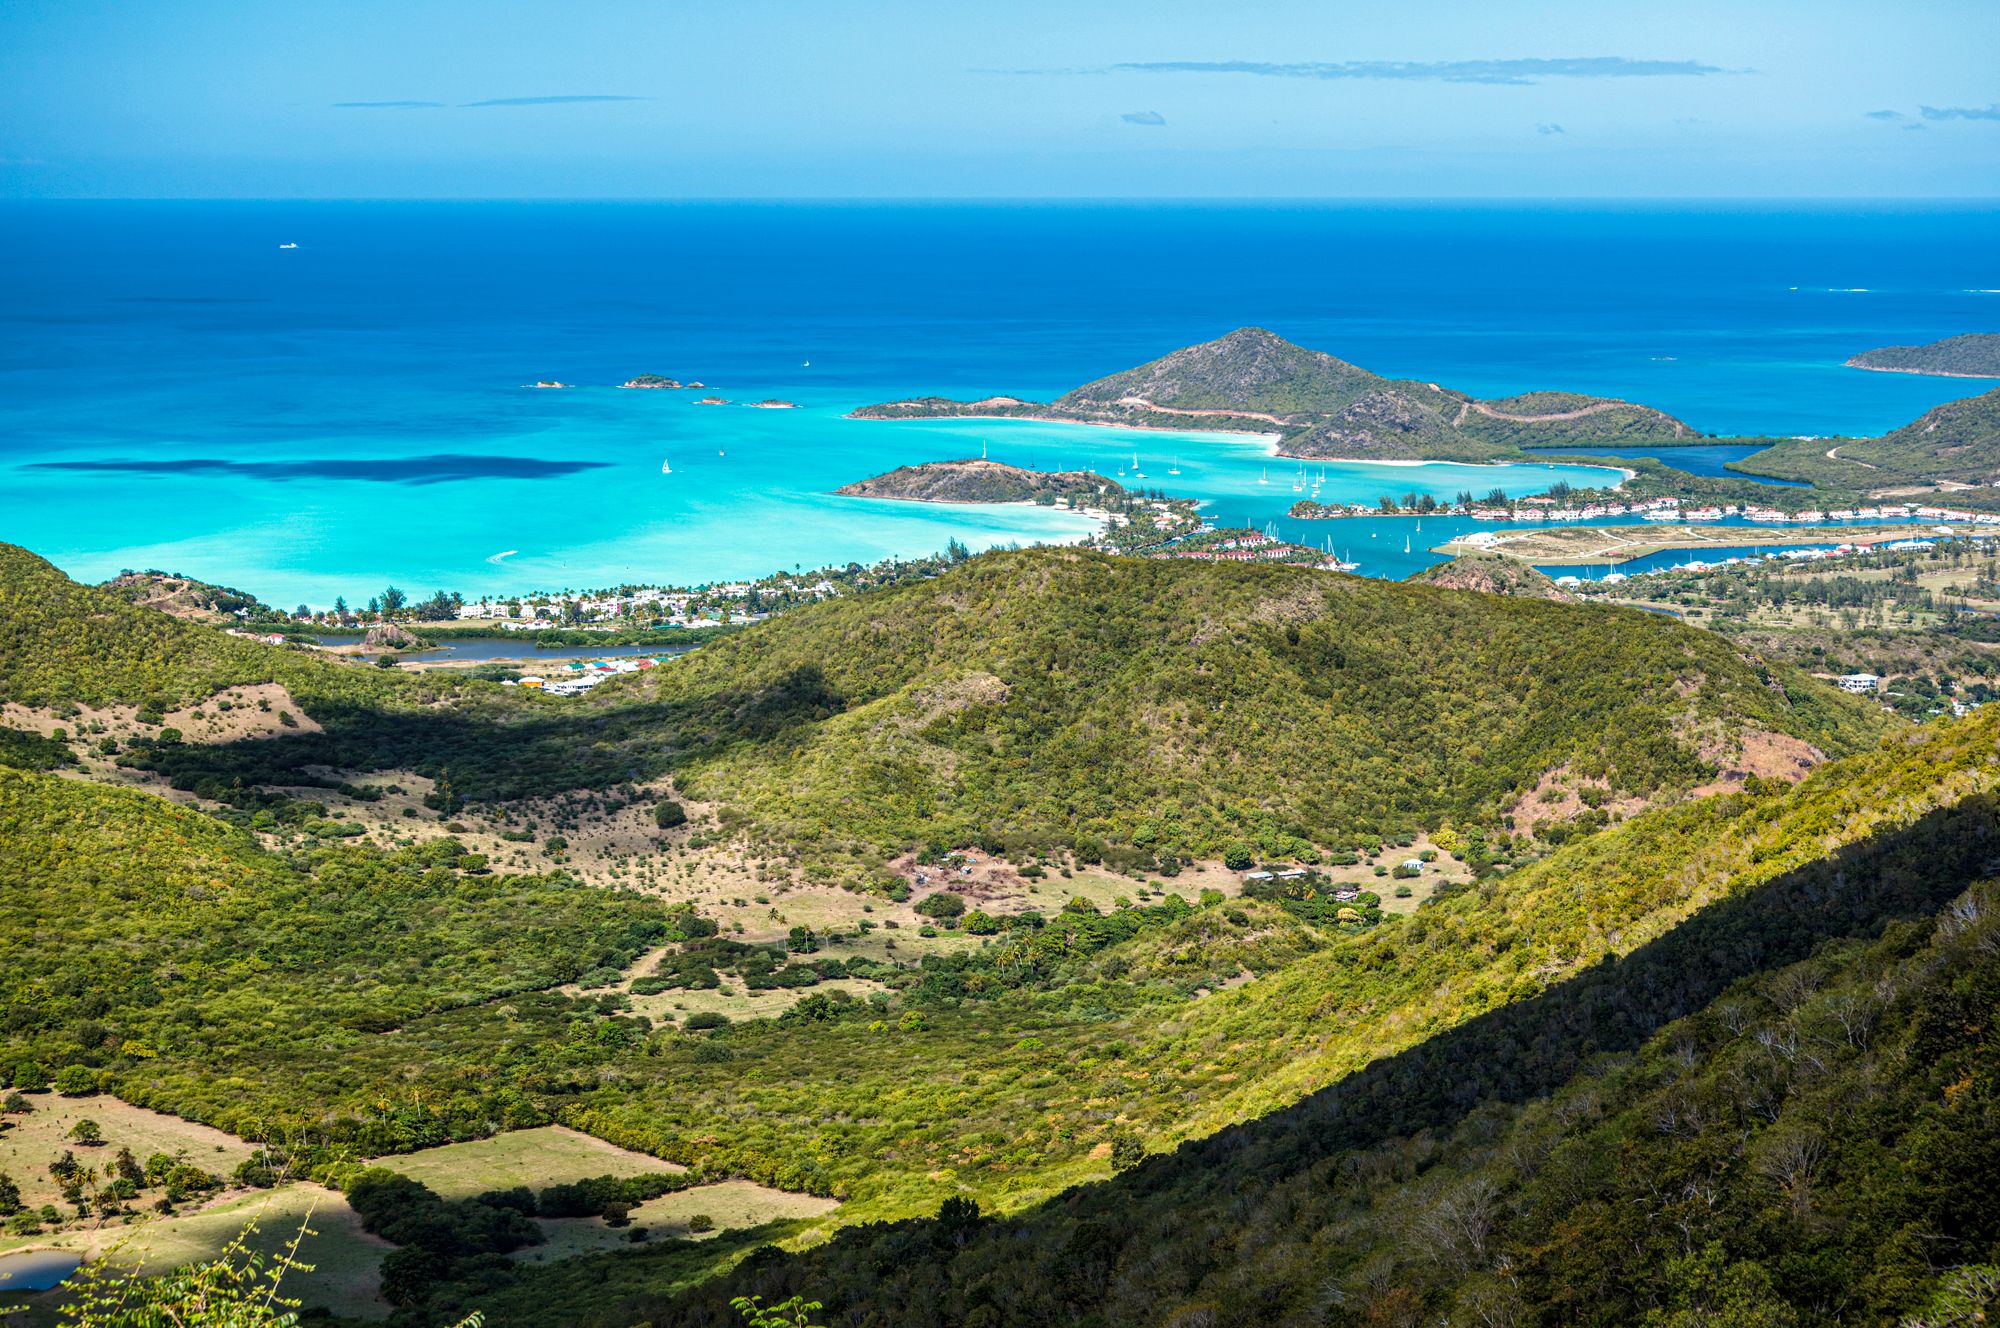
x: 1832, y: 455
x: 1227, y: 414
x: 1595, y: 408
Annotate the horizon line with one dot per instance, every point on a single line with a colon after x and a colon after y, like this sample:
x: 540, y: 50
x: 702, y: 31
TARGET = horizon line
x: 1018, y: 199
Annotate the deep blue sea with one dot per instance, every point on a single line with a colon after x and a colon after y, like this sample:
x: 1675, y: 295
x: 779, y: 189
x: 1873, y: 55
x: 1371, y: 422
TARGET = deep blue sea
x: 178, y: 391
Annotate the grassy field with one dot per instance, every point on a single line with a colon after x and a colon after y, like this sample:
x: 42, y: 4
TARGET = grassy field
x: 1578, y: 546
x: 551, y: 1155
x: 346, y: 1261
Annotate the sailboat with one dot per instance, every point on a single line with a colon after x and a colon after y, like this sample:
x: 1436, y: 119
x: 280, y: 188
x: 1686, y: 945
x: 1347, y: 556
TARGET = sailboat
x: 1175, y: 469
x: 1406, y: 544
x: 1265, y: 478
x: 1135, y: 467
x: 666, y: 468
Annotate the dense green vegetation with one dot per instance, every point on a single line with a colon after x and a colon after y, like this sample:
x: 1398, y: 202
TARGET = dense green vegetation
x: 1976, y: 354
x: 1035, y: 702
x: 1265, y: 1109
x: 1958, y: 441
x: 1485, y: 1005
x: 1277, y: 705
x: 179, y: 963
x: 1815, y: 1144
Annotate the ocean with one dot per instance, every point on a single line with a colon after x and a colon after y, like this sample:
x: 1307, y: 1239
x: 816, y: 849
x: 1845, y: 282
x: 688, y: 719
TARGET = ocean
x: 178, y: 391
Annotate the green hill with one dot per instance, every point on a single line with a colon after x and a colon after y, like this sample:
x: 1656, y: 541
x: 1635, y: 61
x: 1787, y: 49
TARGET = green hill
x: 1957, y: 442
x: 1975, y: 355
x: 1256, y: 1109
x: 1048, y: 699
x: 1324, y: 407
x: 1040, y: 701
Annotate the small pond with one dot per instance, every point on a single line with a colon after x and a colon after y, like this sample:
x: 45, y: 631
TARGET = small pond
x: 35, y: 1270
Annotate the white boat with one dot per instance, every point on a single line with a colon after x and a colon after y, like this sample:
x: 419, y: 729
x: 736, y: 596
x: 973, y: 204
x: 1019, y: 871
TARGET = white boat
x: 1265, y: 478
x: 288, y: 245
x: 1175, y: 469
x: 666, y: 469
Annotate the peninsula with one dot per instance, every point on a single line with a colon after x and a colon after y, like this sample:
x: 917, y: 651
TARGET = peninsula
x: 1320, y: 407
x: 977, y: 480
x: 1585, y: 546
x: 1974, y: 355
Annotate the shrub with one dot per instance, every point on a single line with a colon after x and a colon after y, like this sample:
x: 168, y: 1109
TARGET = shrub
x: 941, y: 904
x: 1239, y: 857
x: 705, y: 1019
x: 701, y: 1222
x: 668, y: 814
x: 76, y: 1081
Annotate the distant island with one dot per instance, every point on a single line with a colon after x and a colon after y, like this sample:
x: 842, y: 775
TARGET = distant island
x: 652, y: 381
x: 977, y: 480
x: 1320, y: 407
x: 774, y: 403
x: 1974, y: 355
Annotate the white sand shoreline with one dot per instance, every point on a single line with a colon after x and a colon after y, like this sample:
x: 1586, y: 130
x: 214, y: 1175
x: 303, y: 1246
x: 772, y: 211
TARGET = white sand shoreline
x: 1273, y: 439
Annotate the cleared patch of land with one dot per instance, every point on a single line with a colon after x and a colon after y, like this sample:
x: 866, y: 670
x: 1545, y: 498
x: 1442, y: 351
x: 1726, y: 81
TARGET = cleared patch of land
x: 1576, y: 546
x: 39, y: 1137
x: 550, y: 1155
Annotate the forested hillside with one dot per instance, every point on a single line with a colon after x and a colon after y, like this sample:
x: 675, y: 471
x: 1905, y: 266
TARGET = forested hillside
x: 1252, y: 1109
x: 1958, y: 441
x: 1051, y: 701
x: 180, y: 963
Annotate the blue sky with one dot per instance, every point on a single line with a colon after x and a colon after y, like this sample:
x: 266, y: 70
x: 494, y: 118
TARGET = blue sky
x: 1127, y: 98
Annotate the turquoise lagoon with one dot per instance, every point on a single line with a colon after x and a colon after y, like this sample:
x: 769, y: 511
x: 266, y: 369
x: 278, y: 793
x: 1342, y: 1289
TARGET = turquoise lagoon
x: 176, y: 391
